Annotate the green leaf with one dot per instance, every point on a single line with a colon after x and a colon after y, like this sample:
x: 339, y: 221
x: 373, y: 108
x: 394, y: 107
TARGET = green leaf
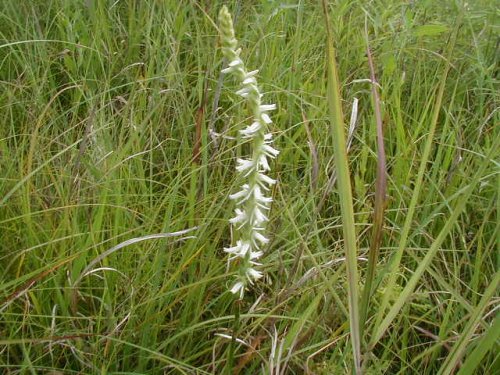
x: 430, y: 30
x: 482, y: 348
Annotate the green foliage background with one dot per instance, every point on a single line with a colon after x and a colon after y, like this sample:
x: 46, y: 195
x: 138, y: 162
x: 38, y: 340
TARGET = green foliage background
x: 99, y: 102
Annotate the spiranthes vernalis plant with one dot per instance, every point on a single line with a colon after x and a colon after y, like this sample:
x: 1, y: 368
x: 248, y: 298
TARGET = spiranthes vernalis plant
x: 252, y: 201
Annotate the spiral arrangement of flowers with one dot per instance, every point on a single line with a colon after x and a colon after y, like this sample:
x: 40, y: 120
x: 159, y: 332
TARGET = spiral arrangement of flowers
x: 252, y: 203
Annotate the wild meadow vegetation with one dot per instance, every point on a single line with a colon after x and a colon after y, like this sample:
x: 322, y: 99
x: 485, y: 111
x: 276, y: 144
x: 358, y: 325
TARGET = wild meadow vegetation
x: 119, y: 137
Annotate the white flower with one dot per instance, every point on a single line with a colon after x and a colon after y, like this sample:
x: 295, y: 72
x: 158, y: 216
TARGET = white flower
x: 245, y: 166
x: 261, y: 177
x: 238, y: 287
x: 266, y: 118
x: 249, y: 80
x: 269, y: 151
x: 241, y: 195
x: 255, y: 255
x: 259, y: 197
x: 241, y: 249
x: 251, y: 74
x: 250, y: 130
x: 258, y: 217
x: 243, y: 92
x: 251, y: 215
x: 259, y: 237
x: 263, y: 162
x: 241, y: 217
x: 235, y: 62
x: 267, y: 107
x: 253, y: 274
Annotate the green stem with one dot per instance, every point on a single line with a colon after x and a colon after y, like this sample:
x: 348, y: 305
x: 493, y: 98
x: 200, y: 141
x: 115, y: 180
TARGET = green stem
x: 236, y: 328
x: 344, y: 190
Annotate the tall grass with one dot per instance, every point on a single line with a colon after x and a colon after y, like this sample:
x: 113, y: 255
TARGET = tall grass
x: 110, y: 144
x: 344, y: 190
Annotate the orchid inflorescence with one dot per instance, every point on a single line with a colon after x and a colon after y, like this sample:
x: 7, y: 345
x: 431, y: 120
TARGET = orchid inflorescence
x: 253, y: 204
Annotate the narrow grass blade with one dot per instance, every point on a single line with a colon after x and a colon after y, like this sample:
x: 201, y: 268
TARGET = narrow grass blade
x: 26, y: 178
x: 452, y: 360
x: 396, y: 260
x: 200, y: 118
x: 426, y: 261
x: 27, y: 286
x: 125, y: 244
x: 380, y: 193
x: 482, y: 348
x: 344, y: 189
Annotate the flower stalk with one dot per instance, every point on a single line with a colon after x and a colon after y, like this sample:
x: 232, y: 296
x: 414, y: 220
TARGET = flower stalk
x: 252, y: 203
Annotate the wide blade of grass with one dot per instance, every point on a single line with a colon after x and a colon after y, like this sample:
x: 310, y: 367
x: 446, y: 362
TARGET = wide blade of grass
x: 344, y: 189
